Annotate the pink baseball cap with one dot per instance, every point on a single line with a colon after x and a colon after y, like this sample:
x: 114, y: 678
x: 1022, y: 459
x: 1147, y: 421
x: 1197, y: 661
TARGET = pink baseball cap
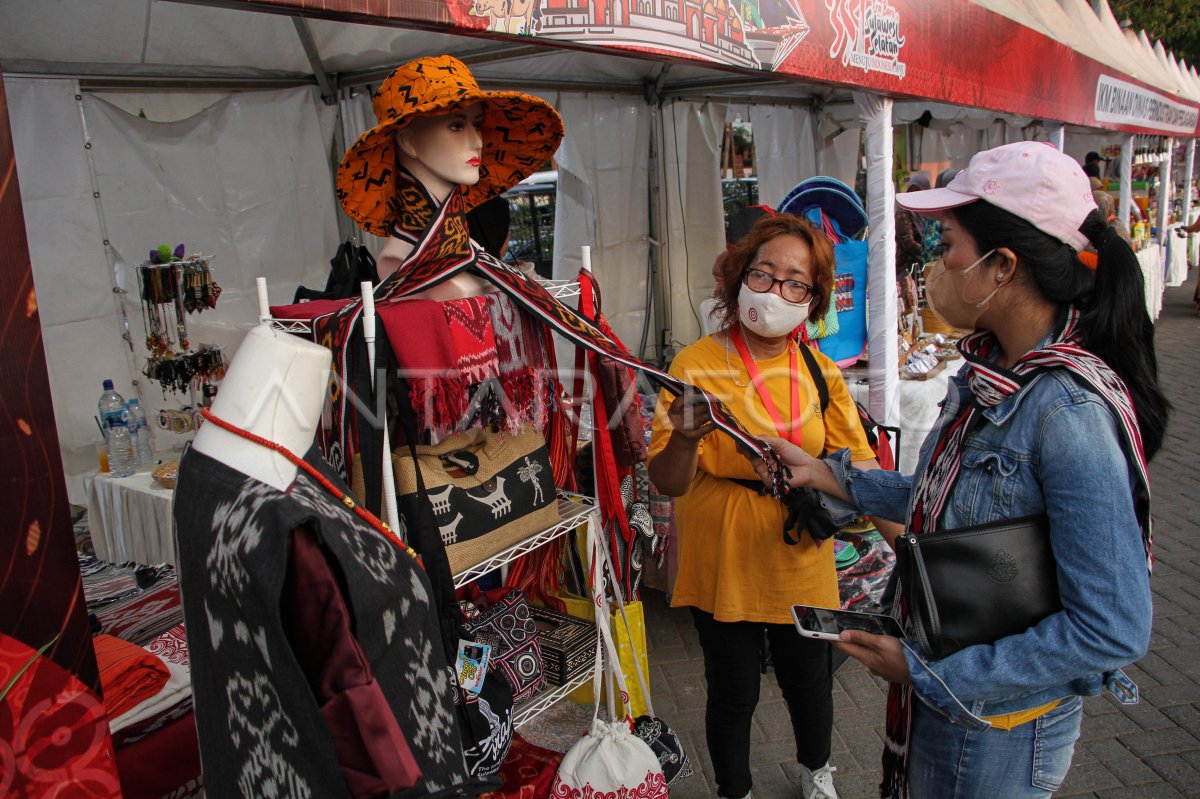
x: 1029, y: 179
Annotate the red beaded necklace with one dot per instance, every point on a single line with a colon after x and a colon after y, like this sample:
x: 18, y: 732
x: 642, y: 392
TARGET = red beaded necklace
x: 325, y: 482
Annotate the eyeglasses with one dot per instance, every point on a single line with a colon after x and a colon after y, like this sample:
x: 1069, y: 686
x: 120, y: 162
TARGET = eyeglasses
x: 792, y: 290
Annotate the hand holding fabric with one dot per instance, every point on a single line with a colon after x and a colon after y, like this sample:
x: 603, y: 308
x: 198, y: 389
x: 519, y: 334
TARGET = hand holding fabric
x: 690, y: 417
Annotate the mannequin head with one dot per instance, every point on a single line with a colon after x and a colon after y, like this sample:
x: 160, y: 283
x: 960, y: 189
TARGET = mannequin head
x: 512, y: 134
x: 443, y: 150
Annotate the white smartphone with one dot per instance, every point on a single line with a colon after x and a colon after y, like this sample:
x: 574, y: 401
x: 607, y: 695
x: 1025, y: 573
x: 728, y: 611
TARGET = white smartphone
x: 827, y: 623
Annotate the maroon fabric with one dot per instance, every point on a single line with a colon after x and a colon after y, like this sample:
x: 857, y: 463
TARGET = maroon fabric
x: 528, y: 771
x: 371, y: 748
x: 308, y: 310
x: 621, y: 399
x: 166, y: 763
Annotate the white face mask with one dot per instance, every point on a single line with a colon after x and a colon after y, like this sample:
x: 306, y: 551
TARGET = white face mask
x: 768, y: 314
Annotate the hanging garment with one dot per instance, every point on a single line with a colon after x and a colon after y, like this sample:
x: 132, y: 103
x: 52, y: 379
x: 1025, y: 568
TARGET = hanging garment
x: 259, y: 722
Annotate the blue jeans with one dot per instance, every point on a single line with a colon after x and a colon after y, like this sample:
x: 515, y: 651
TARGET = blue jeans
x: 950, y: 761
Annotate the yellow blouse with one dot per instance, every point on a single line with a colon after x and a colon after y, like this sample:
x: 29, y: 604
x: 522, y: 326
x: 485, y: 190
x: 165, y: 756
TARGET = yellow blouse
x: 733, y: 561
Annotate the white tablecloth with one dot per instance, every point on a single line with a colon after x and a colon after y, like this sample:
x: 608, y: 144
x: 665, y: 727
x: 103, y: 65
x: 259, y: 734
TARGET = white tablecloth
x: 1151, y: 259
x: 1177, y: 264
x: 918, y: 409
x: 130, y: 518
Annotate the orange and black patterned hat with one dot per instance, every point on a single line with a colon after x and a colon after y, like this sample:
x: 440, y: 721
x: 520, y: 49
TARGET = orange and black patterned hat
x: 520, y: 134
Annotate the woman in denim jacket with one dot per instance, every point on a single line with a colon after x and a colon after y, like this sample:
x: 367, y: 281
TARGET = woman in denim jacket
x: 1055, y: 412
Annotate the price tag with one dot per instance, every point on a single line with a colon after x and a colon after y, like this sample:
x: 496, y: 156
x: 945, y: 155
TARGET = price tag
x: 472, y: 664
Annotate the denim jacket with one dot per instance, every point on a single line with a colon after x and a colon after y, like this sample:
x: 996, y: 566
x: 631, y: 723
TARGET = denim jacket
x: 1051, y: 448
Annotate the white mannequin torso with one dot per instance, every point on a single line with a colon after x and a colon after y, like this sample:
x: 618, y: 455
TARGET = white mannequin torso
x: 275, y: 388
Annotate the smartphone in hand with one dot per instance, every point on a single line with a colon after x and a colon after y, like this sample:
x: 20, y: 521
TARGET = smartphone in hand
x: 826, y: 624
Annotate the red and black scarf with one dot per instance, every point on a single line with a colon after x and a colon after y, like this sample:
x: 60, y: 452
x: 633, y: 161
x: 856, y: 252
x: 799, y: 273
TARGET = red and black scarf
x: 442, y: 248
x: 990, y: 385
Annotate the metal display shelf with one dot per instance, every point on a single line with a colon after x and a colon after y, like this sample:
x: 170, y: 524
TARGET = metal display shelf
x: 532, y: 707
x: 572, y: 508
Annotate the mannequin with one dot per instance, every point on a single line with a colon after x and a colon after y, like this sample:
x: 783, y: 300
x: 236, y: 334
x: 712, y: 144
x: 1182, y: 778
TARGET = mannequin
x: 442, y: 151
x: 275, y: 388
x: 316, y: 652
x: 436, y: 125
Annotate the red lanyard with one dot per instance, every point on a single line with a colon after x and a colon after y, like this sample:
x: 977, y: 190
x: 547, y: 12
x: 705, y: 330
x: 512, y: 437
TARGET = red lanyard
x: 793, y: 432
x: 324, y: 481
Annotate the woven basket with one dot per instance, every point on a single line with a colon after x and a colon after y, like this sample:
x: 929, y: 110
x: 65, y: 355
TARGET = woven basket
x: 166, y: 474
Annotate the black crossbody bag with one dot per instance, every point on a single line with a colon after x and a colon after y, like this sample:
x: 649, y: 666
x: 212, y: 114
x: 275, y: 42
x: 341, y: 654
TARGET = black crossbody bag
x: 976, y: 585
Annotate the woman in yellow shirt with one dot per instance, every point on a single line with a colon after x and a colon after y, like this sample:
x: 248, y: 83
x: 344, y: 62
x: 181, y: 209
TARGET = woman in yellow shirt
x: 737, y: 572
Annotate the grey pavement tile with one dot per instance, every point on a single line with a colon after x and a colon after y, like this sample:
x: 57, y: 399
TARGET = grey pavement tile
x: 1159, y: 742
x: 770, y: 781
x: 1178, y: 772
x: 773, y: 751
x: 1173, y: 633
x: 1160, y: 791
x: 1088, y: 777
x: 1109, y: 725
x: 1165, y: 696
x: 696, y: 786
x: 1147, y: 716
x: 1127, y: 766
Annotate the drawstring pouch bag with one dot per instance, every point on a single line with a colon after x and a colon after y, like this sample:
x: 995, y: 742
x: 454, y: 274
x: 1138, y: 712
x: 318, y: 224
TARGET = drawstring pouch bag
x: 609, y: 760
x: 661, y: 739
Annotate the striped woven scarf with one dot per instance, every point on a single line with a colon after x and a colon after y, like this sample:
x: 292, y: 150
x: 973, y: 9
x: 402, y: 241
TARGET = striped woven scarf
x: 990, y: 385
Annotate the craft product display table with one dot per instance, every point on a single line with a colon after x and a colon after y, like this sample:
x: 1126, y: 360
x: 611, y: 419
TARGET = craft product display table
x: 130, y: 517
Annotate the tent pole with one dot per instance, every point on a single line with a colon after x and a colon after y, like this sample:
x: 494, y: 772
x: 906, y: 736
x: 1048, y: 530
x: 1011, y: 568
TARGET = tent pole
x: 1057, y: 134
x: 875, y: 112
x: 328, y: 91
x: 1164, y: 194
x: 1189, y: 171
x: 1125, y: 203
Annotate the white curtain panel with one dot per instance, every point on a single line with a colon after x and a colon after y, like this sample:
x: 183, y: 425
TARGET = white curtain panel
x: 691, y: 199
x: 603, y: 202
x: 246, y: 180
x: 73, y: 275
x: 839, y: 149
x: 882, y: 336
x: 783, y: 149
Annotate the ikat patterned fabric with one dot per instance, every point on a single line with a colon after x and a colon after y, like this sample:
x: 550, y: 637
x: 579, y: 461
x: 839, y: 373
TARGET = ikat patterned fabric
x: 261, y: 730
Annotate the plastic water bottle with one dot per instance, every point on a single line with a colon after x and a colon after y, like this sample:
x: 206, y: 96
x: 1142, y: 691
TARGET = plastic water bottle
x: 121, y: 457
x: 140, y: 430
x: 111, y: 406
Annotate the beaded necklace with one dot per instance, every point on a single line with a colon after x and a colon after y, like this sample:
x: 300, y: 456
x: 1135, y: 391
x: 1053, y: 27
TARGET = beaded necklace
x: 325, y: 482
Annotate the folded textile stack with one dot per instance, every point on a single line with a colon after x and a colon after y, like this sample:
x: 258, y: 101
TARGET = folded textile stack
x: 172, y: 702
x: 128, y: 673
x: 131, y: 601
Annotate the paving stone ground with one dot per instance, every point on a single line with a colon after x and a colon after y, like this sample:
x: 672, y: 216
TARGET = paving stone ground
x: 1147, y: 751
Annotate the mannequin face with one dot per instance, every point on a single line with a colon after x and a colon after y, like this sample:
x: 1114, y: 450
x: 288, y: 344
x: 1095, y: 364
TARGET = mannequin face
x: 443, y: 151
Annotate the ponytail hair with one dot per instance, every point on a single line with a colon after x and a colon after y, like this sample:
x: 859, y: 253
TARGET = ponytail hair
x: 1113, y: 321
x: 1116, y: 327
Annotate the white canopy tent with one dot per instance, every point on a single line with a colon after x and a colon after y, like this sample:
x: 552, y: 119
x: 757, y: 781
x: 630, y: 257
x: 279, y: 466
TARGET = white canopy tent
x: 137, y: 122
